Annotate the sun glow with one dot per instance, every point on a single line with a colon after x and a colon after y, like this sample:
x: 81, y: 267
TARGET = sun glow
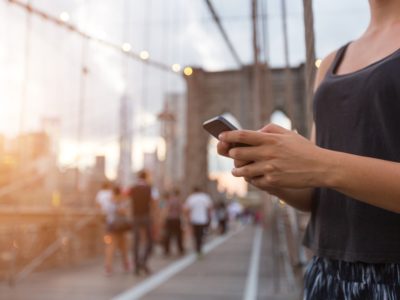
x: 71, y: 154
x: 228, y: 183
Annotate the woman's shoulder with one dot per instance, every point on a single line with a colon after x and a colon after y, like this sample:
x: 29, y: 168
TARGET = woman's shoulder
x: 326, y: 62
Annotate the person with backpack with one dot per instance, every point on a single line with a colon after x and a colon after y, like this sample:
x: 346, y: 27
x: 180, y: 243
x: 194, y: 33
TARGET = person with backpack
x: 117, y: 226
x: 142, y: 207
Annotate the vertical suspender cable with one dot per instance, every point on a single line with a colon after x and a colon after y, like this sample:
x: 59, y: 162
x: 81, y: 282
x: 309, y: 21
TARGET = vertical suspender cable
x: 81, y: 104
x: 27, y: 53
x: 289, y: 99
x: 310, y: 59
x: 310, y: 71
x: 256, y: 68
x: 143, y: 105
x: 265, y: 30
x: 165, y: 98
x: 125, y: 111
x: 268, y: 85
x: 25, y: 82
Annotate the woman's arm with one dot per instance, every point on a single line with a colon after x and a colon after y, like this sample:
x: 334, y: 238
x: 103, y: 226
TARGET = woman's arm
x: 283, y: 159
x: 369, y: 180
x: 297, y: 198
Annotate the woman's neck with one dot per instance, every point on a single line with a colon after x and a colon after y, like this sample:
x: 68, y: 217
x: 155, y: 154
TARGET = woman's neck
x: 384, y: 13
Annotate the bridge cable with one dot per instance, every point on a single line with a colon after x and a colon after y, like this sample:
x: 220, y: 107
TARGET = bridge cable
x: 72, y: 28
x: 223, y: 32
x: 310, y: 69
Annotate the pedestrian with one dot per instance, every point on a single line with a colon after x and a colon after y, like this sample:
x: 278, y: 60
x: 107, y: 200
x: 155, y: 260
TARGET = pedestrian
x: 221, y: 213
x: 117, y: 225
x: 104, y: 202
x: 104, y: 196
x: 198, y: 206
x: 160, y: 222
x: 347, y: 175
x: 142, y: 207
x: 173, y: 224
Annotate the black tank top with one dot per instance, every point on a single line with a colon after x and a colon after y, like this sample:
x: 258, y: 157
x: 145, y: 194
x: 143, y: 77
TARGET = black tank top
x: 357, y: 113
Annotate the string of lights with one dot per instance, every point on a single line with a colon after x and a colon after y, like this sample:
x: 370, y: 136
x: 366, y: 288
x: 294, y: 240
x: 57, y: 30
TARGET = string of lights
x: 125, y: 48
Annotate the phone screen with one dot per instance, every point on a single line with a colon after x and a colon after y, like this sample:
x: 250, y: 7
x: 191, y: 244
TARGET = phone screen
x: 219, y: 124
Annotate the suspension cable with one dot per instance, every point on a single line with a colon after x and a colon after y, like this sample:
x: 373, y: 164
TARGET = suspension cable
x: 72, y: 28
x: 223, y: 32
x: 310, y: 59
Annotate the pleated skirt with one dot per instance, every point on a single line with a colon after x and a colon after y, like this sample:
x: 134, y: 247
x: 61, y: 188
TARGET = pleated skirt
x: 327, y: 279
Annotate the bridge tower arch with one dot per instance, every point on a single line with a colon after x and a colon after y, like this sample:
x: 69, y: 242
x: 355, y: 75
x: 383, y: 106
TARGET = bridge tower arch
x: 214, y: 93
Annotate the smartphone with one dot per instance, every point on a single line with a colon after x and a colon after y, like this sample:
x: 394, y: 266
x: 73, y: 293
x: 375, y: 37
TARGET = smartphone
x: 219, y: 124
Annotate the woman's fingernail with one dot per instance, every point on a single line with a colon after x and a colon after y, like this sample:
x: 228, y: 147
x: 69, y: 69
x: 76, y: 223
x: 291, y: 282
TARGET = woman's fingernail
x: 221, y: 136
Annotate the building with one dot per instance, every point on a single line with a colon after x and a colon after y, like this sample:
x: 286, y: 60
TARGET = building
x: 125, y: 175
x: 173, y: 125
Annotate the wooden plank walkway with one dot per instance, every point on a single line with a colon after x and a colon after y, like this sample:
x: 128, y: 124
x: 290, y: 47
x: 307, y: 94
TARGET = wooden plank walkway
x: 221, y: 274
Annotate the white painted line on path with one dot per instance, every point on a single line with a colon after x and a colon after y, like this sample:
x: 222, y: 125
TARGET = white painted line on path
x: 159, y: 278
x: 251, y: 290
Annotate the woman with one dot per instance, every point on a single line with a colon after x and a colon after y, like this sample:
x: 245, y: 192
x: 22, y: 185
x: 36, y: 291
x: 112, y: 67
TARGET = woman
x: 349, y: 178
x: 117, y: 225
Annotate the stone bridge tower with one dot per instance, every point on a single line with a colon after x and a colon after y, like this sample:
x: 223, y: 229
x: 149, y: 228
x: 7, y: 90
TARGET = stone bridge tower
x: 213, y: 93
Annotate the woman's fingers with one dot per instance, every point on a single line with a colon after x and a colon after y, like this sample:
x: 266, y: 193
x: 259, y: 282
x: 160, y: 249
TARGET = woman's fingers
x: 273, y: 128
x: 253, y: 170
x: 240, y: 163
x: 223, y: 148
x: 249, y: 137
x: 252, y: 153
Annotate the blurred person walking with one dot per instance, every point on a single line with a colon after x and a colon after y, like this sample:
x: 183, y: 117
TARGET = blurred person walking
x: 221, y: 213
x: 142, y: 207
x: 117, y: 225
x: 104, y: 196
x: 173, y: 223
x: 198, y: 208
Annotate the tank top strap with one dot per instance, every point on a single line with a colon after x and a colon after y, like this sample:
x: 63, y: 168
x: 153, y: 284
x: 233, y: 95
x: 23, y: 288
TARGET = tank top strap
x: 338, y: 59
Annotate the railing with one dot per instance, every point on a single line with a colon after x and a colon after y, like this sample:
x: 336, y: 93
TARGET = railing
x: 35, y: 239
x: 287, y: 230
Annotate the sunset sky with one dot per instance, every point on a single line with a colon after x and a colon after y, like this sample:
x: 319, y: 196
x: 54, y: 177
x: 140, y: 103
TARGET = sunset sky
x: 172, y: 31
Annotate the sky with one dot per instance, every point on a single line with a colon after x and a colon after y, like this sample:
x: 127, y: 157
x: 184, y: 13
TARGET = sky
x: 172, y: 31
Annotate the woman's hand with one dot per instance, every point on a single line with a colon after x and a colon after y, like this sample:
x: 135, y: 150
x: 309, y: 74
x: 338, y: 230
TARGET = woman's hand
x: 223, y: 149
x: 278, y: 158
